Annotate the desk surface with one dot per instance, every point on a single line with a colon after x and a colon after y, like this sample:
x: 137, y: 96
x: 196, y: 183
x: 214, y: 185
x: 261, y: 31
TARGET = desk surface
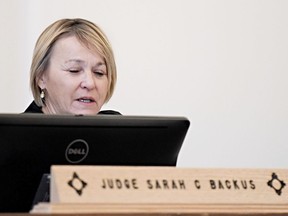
x: 153, y: 214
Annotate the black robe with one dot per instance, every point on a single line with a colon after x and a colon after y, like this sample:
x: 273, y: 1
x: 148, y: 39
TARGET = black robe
x: 34, y: 108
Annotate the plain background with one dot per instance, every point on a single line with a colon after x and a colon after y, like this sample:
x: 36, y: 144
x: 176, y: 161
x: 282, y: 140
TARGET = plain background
x: 222, y: 64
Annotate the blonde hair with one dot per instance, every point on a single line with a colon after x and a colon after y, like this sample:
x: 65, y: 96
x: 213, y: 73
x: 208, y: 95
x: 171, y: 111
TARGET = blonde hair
x: 87, y: 33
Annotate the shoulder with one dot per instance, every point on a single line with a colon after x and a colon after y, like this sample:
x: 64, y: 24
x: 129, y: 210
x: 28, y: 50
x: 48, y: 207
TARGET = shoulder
x: 33, y: 108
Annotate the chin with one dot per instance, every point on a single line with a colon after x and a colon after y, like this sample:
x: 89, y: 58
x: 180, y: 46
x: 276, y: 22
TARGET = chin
x: 86, y: 112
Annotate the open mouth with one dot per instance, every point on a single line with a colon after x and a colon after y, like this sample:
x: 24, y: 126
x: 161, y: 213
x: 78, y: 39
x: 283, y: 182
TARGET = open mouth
x: 86, y: 100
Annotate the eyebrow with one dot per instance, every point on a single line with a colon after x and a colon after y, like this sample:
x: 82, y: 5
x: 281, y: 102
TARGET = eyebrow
x: 74, y: 60
x: 82, y: 61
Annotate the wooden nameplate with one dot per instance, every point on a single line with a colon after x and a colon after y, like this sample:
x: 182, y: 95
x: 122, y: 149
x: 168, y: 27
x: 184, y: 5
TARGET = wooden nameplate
x: 105, y: 189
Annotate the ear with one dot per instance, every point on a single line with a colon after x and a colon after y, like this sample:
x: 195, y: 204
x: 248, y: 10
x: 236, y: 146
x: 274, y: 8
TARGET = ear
x: 42, y: 81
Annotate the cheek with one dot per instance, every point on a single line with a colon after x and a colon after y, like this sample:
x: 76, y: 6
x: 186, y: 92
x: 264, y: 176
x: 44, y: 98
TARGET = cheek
x: 62, y: 86
x: 104, y: 87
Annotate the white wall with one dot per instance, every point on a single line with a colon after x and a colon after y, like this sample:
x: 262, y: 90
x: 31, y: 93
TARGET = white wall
x: 223, y: 64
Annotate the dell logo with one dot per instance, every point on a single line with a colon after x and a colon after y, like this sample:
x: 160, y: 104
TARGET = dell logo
x: 77, y: 151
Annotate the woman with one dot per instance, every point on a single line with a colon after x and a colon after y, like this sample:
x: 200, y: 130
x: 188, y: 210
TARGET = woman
x: 73, y: 69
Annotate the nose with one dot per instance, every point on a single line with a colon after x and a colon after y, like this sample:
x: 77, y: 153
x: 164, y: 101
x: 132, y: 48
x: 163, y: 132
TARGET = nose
x: 88, y: 81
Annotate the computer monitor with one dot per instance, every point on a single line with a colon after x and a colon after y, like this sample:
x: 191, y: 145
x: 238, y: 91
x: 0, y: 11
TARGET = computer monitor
x: 31, y: 143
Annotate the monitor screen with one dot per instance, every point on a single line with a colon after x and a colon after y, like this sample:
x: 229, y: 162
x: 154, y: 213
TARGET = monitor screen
x: 31, y: 143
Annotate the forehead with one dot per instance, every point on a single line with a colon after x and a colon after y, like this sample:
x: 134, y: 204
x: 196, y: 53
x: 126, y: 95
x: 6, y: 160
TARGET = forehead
x: 72, y: 47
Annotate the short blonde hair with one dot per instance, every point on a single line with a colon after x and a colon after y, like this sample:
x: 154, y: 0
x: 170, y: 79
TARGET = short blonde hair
x: 86, y: 32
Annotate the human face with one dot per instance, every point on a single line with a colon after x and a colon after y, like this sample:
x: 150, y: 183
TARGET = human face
x: 75, y: 81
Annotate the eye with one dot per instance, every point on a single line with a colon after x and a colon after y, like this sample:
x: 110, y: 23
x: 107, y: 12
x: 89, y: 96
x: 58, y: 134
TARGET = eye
x: 99, y: 73
x: 73, y: 70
